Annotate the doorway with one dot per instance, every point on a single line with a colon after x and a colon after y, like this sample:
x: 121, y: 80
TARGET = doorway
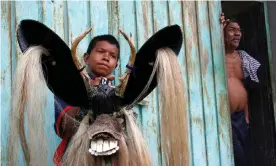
x: 251, y: 18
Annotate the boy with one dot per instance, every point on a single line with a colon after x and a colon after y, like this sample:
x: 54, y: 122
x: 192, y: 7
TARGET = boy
x: 101, y: 59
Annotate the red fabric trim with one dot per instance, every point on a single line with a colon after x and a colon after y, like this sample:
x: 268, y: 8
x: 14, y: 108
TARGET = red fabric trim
x: 59, y: 152
x: 60, y: 117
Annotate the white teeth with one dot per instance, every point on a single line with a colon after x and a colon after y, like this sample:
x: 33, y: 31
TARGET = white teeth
x: 91, y: 151
x: 100, y: 145
x: 100, y: 141
x: 113, y: 144
x: 93, y: 145
x: 105, y: 146
x: 109, y: 152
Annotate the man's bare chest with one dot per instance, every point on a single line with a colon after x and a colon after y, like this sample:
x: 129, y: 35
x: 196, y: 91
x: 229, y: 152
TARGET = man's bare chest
x: 234, y: 67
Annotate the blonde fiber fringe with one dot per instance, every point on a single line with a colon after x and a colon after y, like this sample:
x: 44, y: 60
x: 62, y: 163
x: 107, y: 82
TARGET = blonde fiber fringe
x: 174, y: 130
x: 29, y: 98
x: 138, y: 151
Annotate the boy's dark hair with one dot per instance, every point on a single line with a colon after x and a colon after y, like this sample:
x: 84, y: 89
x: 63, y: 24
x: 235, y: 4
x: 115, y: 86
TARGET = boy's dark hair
x: 109, y: 38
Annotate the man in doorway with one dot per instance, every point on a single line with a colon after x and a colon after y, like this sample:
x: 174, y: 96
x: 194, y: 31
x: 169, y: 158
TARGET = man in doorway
x: 101, y: 59
x: 239, y: 67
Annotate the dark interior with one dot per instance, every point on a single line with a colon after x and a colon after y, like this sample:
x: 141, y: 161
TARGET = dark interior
x: 250, y: 16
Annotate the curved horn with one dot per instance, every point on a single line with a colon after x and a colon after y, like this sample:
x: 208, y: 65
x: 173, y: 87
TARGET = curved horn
x: 74, y: 48
x: 120, y: 89
x: 76, y: 61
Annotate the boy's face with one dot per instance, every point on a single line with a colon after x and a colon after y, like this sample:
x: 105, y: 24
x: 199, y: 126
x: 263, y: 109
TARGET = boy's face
x: 103, y: 59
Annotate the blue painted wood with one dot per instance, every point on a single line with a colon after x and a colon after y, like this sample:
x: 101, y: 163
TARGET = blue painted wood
x: 6, y: 80
x: 58, y: 18
x: 21, y: 13
x: 99, y: 17
x: 225, y: 137
x: 207, y: 84
x: 195, y: 86
x: 77, y: 24
x: 113, y: 27
x: 149, y: 112
x: 127, y: 24
x: 201, y: 59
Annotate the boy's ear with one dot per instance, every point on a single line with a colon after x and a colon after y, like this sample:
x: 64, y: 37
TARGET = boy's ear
x: 85, y: 58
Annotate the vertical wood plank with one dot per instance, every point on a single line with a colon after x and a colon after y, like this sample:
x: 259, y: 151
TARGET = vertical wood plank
x: 207, y: 80
x: 195, y: 86
x: 268, y: 20
x: 149, y: 112
x: 127, y: 23
x: 113, y: 28
x: 225, y: 136
x: 58, y: 18
x: 21, y: 13
x: 176, y: 17
x: 6, y: 69
x: 77, y: 24
x: 99, y: 17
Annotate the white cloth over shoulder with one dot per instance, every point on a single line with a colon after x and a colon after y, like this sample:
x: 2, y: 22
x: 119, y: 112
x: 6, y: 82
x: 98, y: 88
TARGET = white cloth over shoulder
x: 250, y: 66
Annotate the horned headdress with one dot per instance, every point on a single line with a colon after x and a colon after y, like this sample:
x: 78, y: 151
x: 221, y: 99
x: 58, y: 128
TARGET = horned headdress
x: 107, y: 129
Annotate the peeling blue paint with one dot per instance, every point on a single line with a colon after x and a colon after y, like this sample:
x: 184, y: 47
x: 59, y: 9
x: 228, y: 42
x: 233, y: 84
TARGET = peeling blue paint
x: 201, y: 59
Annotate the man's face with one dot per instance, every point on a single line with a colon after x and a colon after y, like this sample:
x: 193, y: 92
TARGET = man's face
x: 233, y: 35
x: 103, y: 58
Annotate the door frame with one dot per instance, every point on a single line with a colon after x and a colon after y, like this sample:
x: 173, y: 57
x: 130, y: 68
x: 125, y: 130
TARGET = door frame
x: 270, y: 59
